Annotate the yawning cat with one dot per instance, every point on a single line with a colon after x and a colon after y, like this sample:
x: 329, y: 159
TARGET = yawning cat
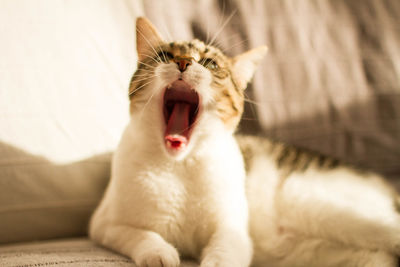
x: 183, y: 185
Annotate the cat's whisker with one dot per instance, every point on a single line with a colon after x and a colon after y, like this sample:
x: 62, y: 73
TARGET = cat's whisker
x: 147, y: 65
x: 158, y: 57
x: 152, y: 57
x: 249, y: 119
x: 236, y: 44
x: 151, y: 75
x: 225, y: 50
x: 222, y: 27
x: 160, y: 60
x: 146, y: 73
x: 220, y: 21
x: 220, y: 45
x: 252, y: 102
x: 140, y: 87
x: 148, y: 42
x: 146, y: 104
x: 143, y: 75
x: 143, y: 79
x: 207, y: 30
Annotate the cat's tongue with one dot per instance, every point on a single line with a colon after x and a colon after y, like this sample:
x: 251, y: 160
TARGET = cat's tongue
x: 180, y: 109
x: 176, y: 134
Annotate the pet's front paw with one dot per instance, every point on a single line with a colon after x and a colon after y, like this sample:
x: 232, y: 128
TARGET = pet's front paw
x: 215, y: 261
x: 161, y: 256
x: 209, y: 262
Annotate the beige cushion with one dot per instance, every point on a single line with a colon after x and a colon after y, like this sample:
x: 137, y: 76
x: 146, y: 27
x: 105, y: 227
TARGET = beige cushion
x: 69, y: 252
x: 65, y: 68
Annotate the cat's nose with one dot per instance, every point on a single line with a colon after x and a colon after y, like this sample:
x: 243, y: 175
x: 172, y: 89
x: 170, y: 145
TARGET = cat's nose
x: 183, y: 63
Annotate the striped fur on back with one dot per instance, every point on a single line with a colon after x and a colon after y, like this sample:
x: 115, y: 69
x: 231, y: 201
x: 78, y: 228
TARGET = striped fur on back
x: 287, y: 158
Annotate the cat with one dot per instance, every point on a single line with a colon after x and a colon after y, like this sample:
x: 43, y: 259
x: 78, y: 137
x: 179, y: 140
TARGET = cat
x: 183, y: 185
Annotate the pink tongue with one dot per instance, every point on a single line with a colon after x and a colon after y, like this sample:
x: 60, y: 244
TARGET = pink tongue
x: 178, y: 126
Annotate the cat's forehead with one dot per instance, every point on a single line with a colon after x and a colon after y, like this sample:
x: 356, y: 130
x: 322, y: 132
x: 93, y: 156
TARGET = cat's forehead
x: 195, y: 48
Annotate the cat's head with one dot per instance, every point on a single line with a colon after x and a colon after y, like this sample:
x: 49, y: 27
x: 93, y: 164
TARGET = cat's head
x: 187, y: 86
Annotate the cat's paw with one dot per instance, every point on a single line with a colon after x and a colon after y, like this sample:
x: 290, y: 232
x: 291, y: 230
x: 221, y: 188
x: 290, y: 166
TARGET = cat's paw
x: 160, y: 256
x: 215, y: 261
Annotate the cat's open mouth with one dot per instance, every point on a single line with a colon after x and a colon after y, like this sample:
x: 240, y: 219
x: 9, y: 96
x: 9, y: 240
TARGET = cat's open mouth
x: 180, y: 107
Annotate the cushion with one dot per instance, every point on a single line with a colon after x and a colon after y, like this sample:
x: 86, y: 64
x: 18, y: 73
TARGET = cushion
x: 64, y: 75
x: 68, y: 252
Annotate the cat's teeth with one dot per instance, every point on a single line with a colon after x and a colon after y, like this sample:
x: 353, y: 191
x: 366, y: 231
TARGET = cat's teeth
x: 168, y: 86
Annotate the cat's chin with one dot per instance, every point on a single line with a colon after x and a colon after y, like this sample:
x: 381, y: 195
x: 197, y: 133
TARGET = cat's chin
x: 181, y: 108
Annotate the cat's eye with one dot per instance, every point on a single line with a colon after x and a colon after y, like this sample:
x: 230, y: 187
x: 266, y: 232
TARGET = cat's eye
x: 164, y: 56
x: 209, y: 63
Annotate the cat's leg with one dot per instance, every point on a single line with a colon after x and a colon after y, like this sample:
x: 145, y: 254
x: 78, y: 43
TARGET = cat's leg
x: 341, y: 206
x: 227, y: 248
x: 146, y: 248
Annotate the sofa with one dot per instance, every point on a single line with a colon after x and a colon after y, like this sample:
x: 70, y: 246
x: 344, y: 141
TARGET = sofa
x: 330, y: 83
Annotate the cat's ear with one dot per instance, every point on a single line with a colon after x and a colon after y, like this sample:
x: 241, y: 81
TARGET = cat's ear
x: 244, y: 65
x: 147, y: 38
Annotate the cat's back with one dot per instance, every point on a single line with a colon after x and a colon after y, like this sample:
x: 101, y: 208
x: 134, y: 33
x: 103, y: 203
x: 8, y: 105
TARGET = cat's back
x: 284, y: 157
x: 274, y: 168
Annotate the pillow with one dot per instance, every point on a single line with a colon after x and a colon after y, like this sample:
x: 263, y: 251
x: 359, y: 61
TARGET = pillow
x: 64, y: 74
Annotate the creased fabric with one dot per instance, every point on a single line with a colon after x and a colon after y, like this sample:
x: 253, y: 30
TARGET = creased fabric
x: 79, y: 252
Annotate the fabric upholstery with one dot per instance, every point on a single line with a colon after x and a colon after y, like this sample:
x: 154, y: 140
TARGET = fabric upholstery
x: 79, y: 252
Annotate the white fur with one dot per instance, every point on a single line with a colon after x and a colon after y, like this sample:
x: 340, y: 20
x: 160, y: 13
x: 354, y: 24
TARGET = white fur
x: 194, y: 202
x: 321, y: 218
